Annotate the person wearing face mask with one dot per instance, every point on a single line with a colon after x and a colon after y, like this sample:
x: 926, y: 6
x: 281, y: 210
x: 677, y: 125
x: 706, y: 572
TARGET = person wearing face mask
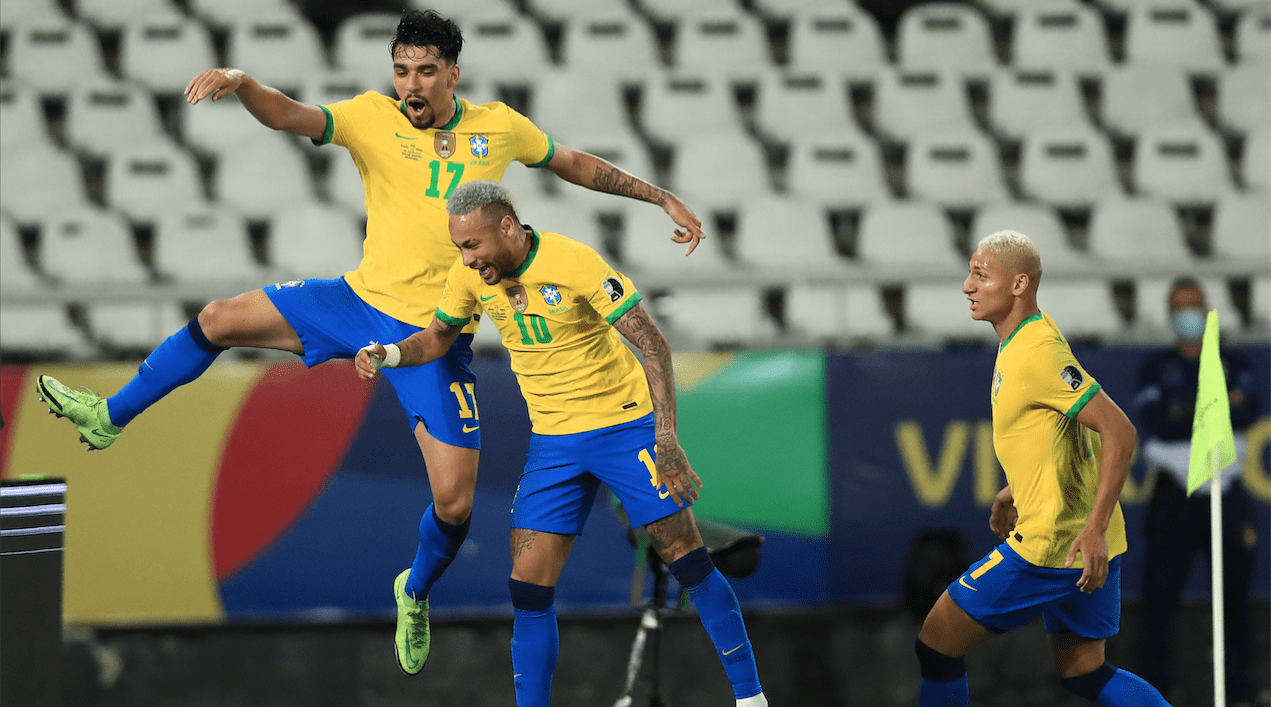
x: 1176, y: 527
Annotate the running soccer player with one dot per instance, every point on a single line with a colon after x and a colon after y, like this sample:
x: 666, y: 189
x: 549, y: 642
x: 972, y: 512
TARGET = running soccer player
x: 596, y: 417
x: 411, y: 154
x: 1066, y: 448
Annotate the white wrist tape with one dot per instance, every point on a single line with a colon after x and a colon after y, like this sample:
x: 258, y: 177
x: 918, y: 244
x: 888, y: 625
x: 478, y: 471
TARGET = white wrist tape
x: 392, y: 356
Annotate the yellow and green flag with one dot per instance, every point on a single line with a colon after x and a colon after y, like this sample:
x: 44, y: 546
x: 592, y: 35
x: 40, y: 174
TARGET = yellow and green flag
x: 1211, y: 427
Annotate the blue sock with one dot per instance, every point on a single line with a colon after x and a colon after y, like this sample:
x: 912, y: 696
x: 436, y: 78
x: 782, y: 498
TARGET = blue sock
x: 180, y: 359
x: 439, y: 542
x: 1108, y: 686
x: 721, y: 615
x: 944, y: 681
x: 535, y: 642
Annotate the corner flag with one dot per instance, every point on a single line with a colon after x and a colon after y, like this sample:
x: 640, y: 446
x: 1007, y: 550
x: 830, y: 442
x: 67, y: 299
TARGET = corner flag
x: 1213, y: 443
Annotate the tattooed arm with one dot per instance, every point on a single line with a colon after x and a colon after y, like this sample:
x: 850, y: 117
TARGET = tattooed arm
x: 419, y: 348
x: 672, y: 466
x: 590, y: 171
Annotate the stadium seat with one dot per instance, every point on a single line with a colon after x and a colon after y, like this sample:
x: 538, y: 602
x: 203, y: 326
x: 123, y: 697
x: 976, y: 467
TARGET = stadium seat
x: 263, y: 176
x: 1186, y: 164
x: 1061, y: 36
x: 1240, y: 228
x: 909, y: 103
x: 1068, y: 167
x: 166, y: 53
x: 279, y: 50
x: 565, y: 11
x: 1022, y: 100
x: 908, y: 235
x: 670, y: 11
x: 223, y: 13
x: 837, y: 312
x: 842, y: 42
x: 646, y: 246
x: 617, y: 148
x: 839, y: 170
x: 489, y: 42
x: 957, y: 169
x: 344, y: 184
x: 564, y: 217
x: 1082, y: 308
x: 1138, y: 232
x: 112, y: 116
x: 1041, y: 224
x: 38, y: 54
x: 1253, y: 35
x: 22, y: 121
x: 1151, y: 303
x: 15, y: 274
x: 558, y: 95
x: 939, y: 310
x: 614, y: 43
x: 678, y: 105
x: 326, y: 88
x: 90, y: 246
x: 214, y: 126
x: 1013, y: 8
x: 1176, y: 32
x: 791, y: 105
x: 145, y: 181
x: 726, y: 315
x: 786, y: 10
x: 134, y: 326
x: 476, y: 92
x: 41, y: 329
x: 1260, y: 303
x: 204, y: 244
x: 948, y: 36
x: 463, y: 11
x: 1255, y: 161
x: 1141, y: 96
x: 730, y: 44
x: 113, y: 15
x: 15, y: 13
x: 362, y: 45
x: 1244, y: 97
x: 720, y: 171
x: 312, y: 239
x: 790, y: 235
x: 37, y: 181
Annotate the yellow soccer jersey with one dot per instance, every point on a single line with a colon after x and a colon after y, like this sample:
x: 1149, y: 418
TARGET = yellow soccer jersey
x: 1051, y: 460
x: 407, y: 175
x: 555, y: 314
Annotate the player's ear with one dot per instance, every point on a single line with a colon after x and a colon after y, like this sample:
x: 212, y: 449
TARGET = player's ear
x: 1021, y: 284
x: 454, y: 76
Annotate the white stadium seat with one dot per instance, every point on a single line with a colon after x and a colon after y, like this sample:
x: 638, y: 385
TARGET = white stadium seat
x: 263, y: 176
x: 1186, y: 164
x: 344, y: 184
x: 1241, y: 230
x: 1068, y: 167
x: 1040, y: 223
x: 143, y: 182
x: 134, y: 326
x: 566, y: 10
x: 214, y: 126
x: 1253, y: 34
x: 1255, y: 160
x: 614, y: 43
x: 558, y: 96
x: 166, y: 53
x: 223, y: 13
x: 838, y: 312
x: 675, y: 106
x: 15, y: 13
x: 38, y: 180
x: 113, y: 15
x: 729, y: 44
x: 1177, y: 32
x: 792, y: 235
x: 1081, y: 308
x: 14, y: 272
x: 790, y: 105
x: 90, y: 246
x: 1244, y: 97
x: 564, y: 217
x: 957, y: 169
x: 842, y: 42
x: 22, y: 121
x: 503, y: 49
x: 843, y: 169
x: 1141, y: 96
x: 1022, y: 100
x: 203, y: 245
x: 312, y: 239
x: 112, y: 116
x: 645, y: 245
x: 43, y: 329
x: 939, y: 310
x: 668, y: 11
x: 946, y: 35
x: 1135, y: 232
x: 55, y: 56
x: 362, y: 45
x: 1062, y: 36
x: 279, y: 50
x: 720, y: 171
x: 909, y: 103
x: 726, y: 315
x: 908, y: 234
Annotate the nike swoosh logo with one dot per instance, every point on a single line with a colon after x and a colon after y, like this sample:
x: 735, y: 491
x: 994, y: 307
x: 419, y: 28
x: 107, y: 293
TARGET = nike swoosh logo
x: 467, y: 429
x: 729, y: 652
x: 404, y: 137
x: 962, y: 581
x: 664, y: 494
x: 99, y: 433
x: 487, y: 299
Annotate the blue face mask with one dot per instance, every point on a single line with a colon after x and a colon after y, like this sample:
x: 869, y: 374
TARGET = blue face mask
x: 1189, y: 324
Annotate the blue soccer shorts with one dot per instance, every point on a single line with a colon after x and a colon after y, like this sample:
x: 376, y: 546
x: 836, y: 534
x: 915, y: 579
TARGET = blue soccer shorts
x: 1004, y: 591
x: 333, y: 322
x: 563, y: 472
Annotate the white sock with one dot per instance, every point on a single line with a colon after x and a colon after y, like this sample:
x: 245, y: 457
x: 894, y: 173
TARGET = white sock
x: 753, y: 701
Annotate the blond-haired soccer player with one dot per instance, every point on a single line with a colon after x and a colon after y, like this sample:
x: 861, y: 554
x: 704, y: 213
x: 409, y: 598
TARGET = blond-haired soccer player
x: 1066, y: 448
x: 597, y: 414
x: 411, y: 153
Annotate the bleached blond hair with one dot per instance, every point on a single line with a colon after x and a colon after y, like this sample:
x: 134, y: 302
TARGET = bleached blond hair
x: 1016, y: 249
x: 480, y: 194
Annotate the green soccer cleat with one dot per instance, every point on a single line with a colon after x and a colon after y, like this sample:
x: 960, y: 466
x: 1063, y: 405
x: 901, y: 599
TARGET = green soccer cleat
x: 413, y: 637
x: 84, y: 408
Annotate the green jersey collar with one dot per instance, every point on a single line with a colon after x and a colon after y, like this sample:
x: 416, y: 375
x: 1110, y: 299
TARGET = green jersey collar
x: 401, y: 105
x: 1033, y: 318
x: 529, y: 258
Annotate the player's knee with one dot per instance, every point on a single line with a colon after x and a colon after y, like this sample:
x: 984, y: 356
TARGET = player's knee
x: 452, y: 506
x: 214, y: 322
x: 1089, y: 685
x: 692, y: 568
x: 936, y: 666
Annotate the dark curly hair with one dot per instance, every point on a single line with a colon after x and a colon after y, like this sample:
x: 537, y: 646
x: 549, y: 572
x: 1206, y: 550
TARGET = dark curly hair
x: 428, y: 29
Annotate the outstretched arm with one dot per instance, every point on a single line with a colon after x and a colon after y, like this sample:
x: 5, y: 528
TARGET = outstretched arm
x: 590, y: 171
x: 271, y: 107
x: 419, y: 348
x: 1117, y: 440
x: 672, y: 465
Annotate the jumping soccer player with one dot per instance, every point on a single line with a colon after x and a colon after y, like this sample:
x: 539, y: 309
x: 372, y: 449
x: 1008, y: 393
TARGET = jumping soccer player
x: 412, y: 153
x: 1066, y: 448
x: 596, y: 417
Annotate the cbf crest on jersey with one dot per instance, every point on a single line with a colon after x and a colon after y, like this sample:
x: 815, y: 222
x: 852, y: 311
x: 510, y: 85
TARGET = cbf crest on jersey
x: 444, y: 144
x: 516, y: 298
x: 551, y: 295
x: 480, y: 145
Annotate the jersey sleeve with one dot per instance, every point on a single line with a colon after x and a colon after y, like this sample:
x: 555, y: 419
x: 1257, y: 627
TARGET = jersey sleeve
x: 458, y: 301
x: 533, y: 147
x: 609, y: 292
x: 1057, y: 381
x: 346, y: 120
